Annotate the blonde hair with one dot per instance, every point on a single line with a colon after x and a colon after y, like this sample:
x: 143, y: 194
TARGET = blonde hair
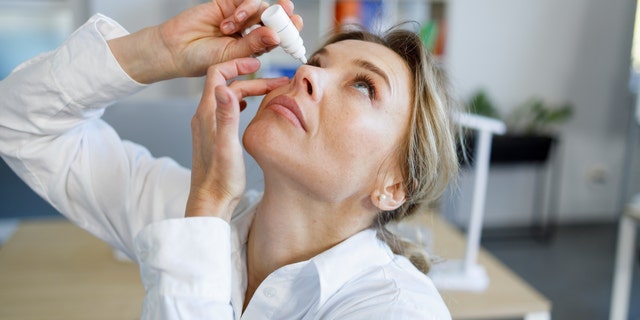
x: 428, y: 157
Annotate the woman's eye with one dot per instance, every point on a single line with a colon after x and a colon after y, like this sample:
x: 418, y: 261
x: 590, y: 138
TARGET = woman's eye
x: 314, y: 62
x: 363, y: 87
x: 364, y: 84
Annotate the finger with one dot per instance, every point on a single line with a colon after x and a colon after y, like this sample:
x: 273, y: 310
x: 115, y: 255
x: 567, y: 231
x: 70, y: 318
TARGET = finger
x: 246, y: 9
x: 244, y: 15
x: 227, y: 115
x: 288, y: 7
x: 256, y: 42
x: 297, y: 21
x: 255, y: 18
x: 256, y: 87
x: 222, y: 72
x: 207, y: 105
x: 218, y: 75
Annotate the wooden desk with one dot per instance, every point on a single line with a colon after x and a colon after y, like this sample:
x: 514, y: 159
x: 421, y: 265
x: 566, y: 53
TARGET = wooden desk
x: 54, y: 270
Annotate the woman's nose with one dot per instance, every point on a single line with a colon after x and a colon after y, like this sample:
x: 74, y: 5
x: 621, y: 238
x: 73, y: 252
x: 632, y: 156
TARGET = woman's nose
x: 308, y: 81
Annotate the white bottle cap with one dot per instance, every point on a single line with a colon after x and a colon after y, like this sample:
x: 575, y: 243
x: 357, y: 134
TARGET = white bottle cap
x: 276, y: 19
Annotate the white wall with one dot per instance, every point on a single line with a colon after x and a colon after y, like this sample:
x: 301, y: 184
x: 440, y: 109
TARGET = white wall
x: 570, y: 50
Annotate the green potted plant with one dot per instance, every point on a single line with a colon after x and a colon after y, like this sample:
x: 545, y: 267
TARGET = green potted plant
x: 531, y: 128
x: 535, y: 117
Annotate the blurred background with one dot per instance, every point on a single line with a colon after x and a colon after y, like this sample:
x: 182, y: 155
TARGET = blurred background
x: 561, y: 71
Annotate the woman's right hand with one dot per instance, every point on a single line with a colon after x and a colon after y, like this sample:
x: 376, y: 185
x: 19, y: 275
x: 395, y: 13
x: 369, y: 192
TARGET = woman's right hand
x: 189, y: 43
x: 217, y: 170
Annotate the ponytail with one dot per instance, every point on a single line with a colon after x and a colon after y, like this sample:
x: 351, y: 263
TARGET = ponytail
x: 415, y: 253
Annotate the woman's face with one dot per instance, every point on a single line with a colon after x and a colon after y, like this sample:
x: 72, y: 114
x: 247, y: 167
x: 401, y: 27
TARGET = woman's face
x: 338, y: 125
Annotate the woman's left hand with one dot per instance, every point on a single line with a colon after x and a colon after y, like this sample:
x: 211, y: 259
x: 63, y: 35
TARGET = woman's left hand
x: 218, y: 172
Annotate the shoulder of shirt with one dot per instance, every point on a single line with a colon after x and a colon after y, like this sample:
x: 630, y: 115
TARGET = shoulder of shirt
x: 388, y: 295
x: 401, y: 276
x: 396, y: 290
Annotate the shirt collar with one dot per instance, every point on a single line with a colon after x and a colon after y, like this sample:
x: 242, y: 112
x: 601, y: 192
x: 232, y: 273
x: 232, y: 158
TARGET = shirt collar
x: 346, y: 260
x: 335, y: 266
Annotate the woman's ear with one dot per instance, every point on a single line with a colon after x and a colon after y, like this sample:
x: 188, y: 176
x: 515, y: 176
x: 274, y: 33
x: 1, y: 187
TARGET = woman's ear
x: 390, y: 196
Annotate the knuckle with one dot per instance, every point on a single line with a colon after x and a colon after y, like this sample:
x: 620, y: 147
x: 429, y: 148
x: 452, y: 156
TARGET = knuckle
x: 196, y: 126
x: 225, y: 118
x: 212, y: 69
x: 195, y: 122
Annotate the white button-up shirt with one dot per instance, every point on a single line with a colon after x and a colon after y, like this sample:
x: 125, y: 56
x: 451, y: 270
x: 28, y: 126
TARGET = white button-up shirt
x: 52, y: 136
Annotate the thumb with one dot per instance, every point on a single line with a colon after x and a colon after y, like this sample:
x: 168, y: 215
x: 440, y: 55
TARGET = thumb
x: 256, y: 43
x: 227, y: 114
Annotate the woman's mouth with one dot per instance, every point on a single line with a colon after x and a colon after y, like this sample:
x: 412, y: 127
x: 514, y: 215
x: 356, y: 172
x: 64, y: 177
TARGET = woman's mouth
x: 288, y: 108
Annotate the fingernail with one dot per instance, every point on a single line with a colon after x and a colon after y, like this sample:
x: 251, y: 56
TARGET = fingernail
x: 221, y: 96
x: 228, y: 27
x: 240, y: 16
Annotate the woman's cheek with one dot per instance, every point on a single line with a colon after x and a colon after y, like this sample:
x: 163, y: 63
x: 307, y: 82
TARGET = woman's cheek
x: 362, y: 136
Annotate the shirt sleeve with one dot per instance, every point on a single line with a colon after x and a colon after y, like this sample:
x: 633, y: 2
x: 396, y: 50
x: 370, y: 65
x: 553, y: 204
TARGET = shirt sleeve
x: 52, y: 136
x: 186, y: 269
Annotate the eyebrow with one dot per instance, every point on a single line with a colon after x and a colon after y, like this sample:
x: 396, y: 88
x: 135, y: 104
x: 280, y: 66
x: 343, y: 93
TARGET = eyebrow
x: 373, y: 68
x: 362, y: 64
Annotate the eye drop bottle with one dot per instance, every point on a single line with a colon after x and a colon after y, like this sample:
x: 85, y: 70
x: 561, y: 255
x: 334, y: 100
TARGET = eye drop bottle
x: 277, y: 20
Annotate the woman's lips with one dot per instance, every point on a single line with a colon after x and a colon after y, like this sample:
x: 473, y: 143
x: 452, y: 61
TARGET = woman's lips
x: 288, y: 108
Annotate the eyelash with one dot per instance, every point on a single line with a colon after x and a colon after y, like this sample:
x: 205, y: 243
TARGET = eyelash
x: 314, y: 62
x: 368, y: 81
x: 360, y: 78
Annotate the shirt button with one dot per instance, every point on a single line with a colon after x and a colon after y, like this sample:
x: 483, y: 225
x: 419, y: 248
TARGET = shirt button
x: 269, y: 292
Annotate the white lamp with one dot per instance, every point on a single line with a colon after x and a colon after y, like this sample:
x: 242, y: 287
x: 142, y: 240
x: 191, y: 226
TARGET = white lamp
x: 467, y: 274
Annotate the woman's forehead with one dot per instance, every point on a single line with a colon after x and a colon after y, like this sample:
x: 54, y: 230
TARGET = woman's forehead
x: 360, y: 49
x: 350, y: 51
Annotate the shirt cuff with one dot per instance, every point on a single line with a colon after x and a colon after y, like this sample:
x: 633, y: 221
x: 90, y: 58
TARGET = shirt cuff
x: 86, y: 71
x: 186, y: 257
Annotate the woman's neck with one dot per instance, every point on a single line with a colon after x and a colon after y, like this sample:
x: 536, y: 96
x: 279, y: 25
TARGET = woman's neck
x: 289, y: 227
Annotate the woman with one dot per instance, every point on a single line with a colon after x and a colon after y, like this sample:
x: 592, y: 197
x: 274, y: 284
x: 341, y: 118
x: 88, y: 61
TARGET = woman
x: 357, y: 138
